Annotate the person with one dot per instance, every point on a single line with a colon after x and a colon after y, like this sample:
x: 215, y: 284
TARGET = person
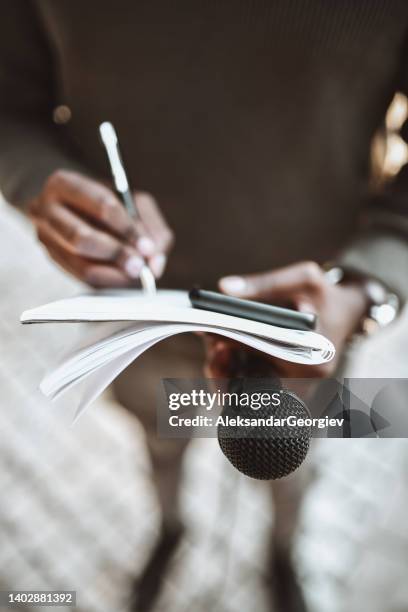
x: 250, y: 124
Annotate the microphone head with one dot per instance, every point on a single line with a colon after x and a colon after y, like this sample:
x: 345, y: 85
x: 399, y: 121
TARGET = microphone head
x: 266, y: 452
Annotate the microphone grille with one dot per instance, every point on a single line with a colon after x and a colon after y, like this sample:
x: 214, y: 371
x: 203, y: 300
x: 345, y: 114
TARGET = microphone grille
x: 266, y: 452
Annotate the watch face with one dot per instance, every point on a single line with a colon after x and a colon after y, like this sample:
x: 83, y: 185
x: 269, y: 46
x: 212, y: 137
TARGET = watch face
x: 384, y: 305
x: 384, y: 314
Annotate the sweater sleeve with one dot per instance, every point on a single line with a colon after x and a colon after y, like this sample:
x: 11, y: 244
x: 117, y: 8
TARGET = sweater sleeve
x: 380, y: 248
x: 31, y: 144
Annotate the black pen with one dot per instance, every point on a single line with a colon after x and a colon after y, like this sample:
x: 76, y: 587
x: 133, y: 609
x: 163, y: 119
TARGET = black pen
x: 254, y: 311
x: 110, y: 141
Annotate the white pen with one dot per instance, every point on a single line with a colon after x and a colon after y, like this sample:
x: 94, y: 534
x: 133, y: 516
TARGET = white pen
x: 110, y: 141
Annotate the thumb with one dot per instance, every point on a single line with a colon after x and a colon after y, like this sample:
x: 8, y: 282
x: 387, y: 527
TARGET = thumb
x: 234, y: 285
x: 250, y: 286
x: 305, y: 277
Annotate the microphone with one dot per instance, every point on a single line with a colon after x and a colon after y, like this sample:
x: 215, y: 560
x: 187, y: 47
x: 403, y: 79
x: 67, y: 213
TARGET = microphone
x: 263, y: 452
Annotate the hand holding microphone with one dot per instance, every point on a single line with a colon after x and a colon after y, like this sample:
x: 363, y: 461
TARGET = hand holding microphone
x: 263, y: 452
x: 305, y: 287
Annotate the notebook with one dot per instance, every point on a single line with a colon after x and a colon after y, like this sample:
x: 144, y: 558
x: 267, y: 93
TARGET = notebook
x: 130, y: 322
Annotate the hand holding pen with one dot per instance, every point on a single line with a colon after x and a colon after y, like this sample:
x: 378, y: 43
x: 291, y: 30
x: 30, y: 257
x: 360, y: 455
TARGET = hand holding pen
x: 88, y: 232
x: 110, y: 141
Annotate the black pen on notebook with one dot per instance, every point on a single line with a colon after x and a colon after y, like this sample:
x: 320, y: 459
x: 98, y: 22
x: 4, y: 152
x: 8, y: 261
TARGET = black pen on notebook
x: 254, y: 311
x: 110, y: 141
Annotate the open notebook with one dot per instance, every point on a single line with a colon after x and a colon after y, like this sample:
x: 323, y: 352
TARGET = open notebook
x: 134, y: 322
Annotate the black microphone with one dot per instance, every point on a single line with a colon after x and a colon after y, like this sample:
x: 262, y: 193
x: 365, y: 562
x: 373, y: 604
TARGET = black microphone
x: 261, y: 451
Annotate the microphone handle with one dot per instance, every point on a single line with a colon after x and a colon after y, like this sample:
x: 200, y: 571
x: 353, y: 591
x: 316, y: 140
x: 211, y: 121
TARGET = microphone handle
x: 251, y: 364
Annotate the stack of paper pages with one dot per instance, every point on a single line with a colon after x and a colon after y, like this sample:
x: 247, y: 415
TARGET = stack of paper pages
x: 137, y: 322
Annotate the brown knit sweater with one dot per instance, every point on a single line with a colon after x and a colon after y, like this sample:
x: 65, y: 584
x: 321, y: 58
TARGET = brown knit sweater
x: 249, y: 120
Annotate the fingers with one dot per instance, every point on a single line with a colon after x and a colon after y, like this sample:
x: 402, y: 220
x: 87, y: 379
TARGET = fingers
x: 156, y: 238
x: 226, y: 358
x: 91, y: 199
x: 220, y: 360
x: 63, y: 230
x: 79, y: 217
x: 304, y: 277
x: 154, y: 222
x: 94, y: 274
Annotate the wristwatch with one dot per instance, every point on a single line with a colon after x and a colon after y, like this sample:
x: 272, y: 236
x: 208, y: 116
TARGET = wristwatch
x: 383, y: 304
